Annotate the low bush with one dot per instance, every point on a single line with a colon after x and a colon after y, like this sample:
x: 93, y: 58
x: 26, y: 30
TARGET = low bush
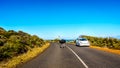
x: 13, y: 43
x: 104, y: 42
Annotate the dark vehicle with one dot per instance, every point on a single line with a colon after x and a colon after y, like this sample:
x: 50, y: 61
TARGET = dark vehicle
x: 62, y: 41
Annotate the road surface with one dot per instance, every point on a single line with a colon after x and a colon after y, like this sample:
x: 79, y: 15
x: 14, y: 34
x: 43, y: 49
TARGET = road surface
x: 73, y: 57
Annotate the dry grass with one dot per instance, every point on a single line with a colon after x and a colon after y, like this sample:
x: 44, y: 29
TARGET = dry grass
x: 106, y: 49
x: 24, y: 57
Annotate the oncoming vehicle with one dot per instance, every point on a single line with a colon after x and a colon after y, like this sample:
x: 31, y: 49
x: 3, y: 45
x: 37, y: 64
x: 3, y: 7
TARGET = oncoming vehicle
x: 82, y: 42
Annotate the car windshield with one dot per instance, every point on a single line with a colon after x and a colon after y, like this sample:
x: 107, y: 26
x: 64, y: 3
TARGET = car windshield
x: 83, y: 39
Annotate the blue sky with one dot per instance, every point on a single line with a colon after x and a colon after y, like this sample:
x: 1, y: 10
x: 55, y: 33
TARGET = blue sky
x: 65, y: 18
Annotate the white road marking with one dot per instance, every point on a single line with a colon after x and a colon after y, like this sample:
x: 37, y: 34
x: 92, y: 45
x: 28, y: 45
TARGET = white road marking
x: 78, y: 57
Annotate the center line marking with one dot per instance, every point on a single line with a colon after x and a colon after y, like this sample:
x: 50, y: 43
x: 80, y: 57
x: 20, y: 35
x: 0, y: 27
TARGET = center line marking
x: 78, y: 57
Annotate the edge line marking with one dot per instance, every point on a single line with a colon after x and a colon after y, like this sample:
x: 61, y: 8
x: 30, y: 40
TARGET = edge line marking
x: 78, y: 57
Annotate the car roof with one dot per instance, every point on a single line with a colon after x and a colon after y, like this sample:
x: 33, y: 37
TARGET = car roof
x: 81, y: 38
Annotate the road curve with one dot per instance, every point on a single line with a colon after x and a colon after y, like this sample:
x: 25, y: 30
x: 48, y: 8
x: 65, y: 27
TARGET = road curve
x: 56, y: 57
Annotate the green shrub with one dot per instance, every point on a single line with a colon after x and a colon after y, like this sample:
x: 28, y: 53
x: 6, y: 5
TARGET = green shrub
x: 13, y: 43
x: 104, y: 42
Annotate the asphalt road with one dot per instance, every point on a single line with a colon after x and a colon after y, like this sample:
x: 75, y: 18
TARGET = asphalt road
x: 73, y: 57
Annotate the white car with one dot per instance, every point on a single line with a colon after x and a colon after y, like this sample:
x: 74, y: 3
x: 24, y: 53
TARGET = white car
x: 82, y: 42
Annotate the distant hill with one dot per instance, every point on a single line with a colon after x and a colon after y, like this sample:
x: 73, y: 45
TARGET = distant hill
x: 70, y: 40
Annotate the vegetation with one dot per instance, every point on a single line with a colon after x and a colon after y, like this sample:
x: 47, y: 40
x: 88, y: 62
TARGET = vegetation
x: 13, y: 62
x: 56, y: 40
x: 104, y: 42
x: 14, y: 43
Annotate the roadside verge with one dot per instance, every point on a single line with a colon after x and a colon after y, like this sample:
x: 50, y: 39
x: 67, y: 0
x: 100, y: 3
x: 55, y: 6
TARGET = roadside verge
x: 107, y: 49
x: 12, y: 63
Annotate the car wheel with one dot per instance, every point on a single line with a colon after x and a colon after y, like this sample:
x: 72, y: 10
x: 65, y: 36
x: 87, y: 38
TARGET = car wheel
x: 76, y: 44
